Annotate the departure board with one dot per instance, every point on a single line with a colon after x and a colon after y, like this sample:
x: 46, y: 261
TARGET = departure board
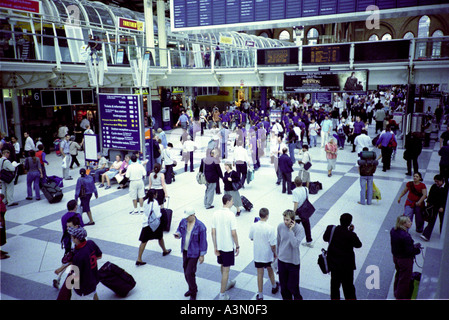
x: 197, y: 14
x: 326, y: 54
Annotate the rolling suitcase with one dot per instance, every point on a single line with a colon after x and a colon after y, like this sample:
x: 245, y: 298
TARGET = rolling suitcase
x: 167, y: 215
x: 52, y: 192
x: 246, y: 203
x: 116, y: 279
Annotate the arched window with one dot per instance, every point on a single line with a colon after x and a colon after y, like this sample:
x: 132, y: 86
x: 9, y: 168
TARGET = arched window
x: 373, y: 37
x: 423, y: 32
x: 284, y: 35
x: 386, y: 36
x: 409, y: 35
x: 423, y: 27
x: 312, y: 36
x: 436, y: 45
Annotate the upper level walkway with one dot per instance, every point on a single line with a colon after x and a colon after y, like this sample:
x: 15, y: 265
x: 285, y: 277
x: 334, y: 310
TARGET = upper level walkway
x: 35, y: 60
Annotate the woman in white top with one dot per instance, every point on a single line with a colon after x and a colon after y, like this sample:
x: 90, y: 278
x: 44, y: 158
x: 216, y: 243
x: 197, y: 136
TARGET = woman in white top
x: 113, y: 170
x: 151, y: 226
x: 241, y: 161
x: 157, y: 183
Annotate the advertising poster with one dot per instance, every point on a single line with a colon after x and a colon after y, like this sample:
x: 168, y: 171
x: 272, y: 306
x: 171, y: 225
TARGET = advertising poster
x: 353, y: 81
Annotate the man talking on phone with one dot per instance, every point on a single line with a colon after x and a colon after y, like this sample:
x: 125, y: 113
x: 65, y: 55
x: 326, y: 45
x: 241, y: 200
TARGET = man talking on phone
x: 341, y: 257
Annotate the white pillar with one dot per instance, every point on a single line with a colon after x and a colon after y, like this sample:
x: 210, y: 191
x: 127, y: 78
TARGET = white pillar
x: 162, y: 33
x: 149, y: 26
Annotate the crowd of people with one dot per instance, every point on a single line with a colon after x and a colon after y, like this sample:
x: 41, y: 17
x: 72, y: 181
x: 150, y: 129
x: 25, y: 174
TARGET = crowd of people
x: 241, y: 136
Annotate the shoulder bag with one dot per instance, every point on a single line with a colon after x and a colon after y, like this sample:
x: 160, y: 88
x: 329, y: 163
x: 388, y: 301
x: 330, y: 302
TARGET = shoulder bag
x: 200, y: 176
x: 153, y: 222
x: 306, y: 209
x: 6, y: 175
x: 322, y: 258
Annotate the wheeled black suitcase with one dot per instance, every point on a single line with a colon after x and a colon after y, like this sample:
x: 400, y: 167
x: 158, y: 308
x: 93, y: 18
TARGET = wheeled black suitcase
x: 52, y: 192
x: 116, y: 279
x: 246, y: 203
x: 167, y: 215
x: 166, y: 218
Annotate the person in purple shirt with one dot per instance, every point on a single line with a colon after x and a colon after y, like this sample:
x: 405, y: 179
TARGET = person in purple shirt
x: 358, y: 126
x: 383, y: 143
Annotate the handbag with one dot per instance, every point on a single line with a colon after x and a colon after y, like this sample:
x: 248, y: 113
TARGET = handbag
x: 307, y: 165
x: 82, y: 190
x: 428, y: 213
x: 249, y: 176
x: 6, y: 175
x: 64, y: 164
x: 236, y: 185
x: 306, y: 209
x: 322, y: 258
x: 201, y: 177
x: 153, y: 222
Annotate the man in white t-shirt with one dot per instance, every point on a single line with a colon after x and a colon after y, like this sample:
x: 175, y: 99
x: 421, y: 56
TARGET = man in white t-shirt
x: 136, y: 173
x: 362, y: 141
x: 264, y: 238
x: 224, y: 236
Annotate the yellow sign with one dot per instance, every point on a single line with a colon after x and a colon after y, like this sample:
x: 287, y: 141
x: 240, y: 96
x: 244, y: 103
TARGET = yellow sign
x: 225, y: 40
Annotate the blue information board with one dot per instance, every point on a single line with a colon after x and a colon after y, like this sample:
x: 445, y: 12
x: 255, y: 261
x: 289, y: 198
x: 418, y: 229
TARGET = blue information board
x: 200, y: 13
x: 120, y: 121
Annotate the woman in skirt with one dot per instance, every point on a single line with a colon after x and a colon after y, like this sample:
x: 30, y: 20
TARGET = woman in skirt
x: 151, y: 230
x: 229, y: 177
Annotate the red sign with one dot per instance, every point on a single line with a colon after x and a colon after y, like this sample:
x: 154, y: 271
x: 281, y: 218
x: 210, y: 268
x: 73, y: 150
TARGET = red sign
x: 22, y: 5
x: 130, y: 24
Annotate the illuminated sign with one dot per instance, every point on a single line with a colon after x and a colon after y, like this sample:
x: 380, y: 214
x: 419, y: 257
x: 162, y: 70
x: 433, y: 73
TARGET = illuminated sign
x: 326, y: 81
x: 22, y: 5
x: 130, y: 24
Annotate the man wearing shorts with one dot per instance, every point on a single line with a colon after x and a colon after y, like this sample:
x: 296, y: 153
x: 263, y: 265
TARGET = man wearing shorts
x: 224, y: 236
x: 136, y: 173
x: 264, y: 238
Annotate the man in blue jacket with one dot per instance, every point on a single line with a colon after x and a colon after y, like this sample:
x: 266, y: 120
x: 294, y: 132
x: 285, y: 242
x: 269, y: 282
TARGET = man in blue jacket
x: 286, y: 169
x: 193, y: 235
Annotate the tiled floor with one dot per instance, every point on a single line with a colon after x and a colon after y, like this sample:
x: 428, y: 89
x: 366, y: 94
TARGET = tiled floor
x: 34, y: 231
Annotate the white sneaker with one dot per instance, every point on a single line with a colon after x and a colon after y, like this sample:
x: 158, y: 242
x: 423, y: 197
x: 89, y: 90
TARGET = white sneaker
x: 223, y: 296
x: 307, y: 244
x: 230, y: 284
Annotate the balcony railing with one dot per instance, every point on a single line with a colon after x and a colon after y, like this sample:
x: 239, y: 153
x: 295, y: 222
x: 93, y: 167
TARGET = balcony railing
x: 29, y: 47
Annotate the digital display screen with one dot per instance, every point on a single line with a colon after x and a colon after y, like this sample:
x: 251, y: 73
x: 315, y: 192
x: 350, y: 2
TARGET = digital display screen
x: 326, y: 81
x: 191, y: 14
x: 326, y: 54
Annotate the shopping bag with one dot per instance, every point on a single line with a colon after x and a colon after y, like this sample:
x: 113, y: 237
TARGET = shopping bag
x: 376, y: 192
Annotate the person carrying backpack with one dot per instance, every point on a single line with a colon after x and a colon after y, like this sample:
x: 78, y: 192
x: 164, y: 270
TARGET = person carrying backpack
x: 367, y: 167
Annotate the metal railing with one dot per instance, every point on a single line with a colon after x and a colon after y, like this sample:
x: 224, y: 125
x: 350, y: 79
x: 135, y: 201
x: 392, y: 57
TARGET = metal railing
x: 33, y: 47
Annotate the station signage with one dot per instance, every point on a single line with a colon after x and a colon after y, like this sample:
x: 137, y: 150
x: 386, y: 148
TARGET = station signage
x: 120, y: 121
x: 29, y: 6
x: 131, y: 24
x: 234, y: 14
